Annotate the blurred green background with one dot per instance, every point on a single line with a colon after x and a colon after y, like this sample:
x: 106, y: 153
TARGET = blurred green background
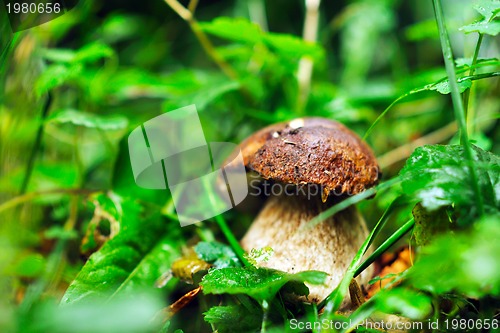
x: 72, y: 89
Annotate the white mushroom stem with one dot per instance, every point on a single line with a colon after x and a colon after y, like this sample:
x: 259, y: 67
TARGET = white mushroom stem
x: 329, y: 246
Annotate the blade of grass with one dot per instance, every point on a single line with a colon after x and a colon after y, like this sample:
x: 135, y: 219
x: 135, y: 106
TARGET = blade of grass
x: 393, y: 239
x: 36, y: 145
x: 427, y: 88
x: 334, y: 300
x: 226, y: 231
x: 458, y: 106
x: 470, y: 112
x: 348, y: 202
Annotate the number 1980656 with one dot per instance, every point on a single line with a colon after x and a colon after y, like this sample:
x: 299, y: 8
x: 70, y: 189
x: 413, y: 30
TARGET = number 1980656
x: 33, y: 8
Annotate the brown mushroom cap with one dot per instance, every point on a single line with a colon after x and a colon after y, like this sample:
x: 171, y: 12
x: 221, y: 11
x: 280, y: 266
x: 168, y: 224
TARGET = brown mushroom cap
x: 312, y: 151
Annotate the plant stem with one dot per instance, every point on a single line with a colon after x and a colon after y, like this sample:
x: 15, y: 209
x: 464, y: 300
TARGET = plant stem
x: 470, y: 113
x: 347, y: 203
x: 457, y: 103
x: 385, y: 245
x: 36, y: 146
x: 30, y: 196
x: 306, y: 64
x: 265, y: 315
x: 207, y: 46
x: 221, y: 222
x: 334, y: 300
x: 235, y: 245
x: 422, y: 89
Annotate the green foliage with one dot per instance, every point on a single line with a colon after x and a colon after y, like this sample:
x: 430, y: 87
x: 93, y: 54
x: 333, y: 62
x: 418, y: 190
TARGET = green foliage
x: 444, y: 87
x: 138, y: 255
x: 439, y: 176
x: 234, y: 318
x: 218, y: 254
x: 490, y: 24
x: 242, y: 31
x: 71, y: 90
x: 262, y: 284
x: 466, y: 262
x: 406, y: 302
x: 89, y: 120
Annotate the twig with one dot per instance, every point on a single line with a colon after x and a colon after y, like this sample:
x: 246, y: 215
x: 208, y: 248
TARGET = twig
x: 187, y: 16
x: 32, y: 195
x: 192, y: 6
x: 257, y: 12
x: 306, y: 64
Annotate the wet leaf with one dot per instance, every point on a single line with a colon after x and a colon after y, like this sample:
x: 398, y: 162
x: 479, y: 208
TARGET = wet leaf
x: 218, y: 254
x: 439, y: 176
x: 260, y: 284
x: 143, y: 250
x: 234, y: 318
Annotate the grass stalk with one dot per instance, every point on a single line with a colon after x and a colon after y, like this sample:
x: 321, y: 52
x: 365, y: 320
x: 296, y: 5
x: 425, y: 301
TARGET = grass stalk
x: 393, y: 239
x: 470, y: 111
x: 36, y: 146
x: 458, y: 106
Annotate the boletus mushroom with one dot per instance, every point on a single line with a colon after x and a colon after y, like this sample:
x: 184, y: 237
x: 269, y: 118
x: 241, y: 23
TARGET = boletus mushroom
x: 310, y: 164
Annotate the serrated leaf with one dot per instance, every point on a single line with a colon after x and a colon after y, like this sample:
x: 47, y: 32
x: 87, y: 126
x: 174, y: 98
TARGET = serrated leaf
x: 218, y: 254
x: 89, y: 120
x: 142, y: 250
x: 439, y: 176
x: 235, y: 29
x: 260, y: 283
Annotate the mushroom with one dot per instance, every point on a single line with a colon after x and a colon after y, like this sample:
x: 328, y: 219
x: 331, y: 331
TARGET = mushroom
x: 312, y: 164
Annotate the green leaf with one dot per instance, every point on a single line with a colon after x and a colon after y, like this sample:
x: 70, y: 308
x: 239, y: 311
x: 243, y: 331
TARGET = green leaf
x: 466, y: 262
x: 89, y: 120
x: 293, y: 47
x: 56, y: 75
x: 260, y: 284
x: 93, y: 52
x: 244, y: 31
x: 489, y: 9
x: 143, y: 249
x: 429, y: 224
x: 407, y: 302
x: 218, y: 254
x: 129, y: 314
x: 438, y: 176
x: 443, y: 87
x: 235, y: 29
x: 234, y: 318
x: 87, y: 54
x: 483, y: 27
x: 29, y: 266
